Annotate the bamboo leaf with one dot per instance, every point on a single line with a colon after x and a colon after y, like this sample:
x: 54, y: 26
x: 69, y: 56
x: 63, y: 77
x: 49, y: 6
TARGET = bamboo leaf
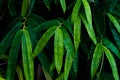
x: 77, y: 33
x: 47, y: 75
x: 43, y: 40
x: 58, y: 50
x: 63, y: 5
x: 25, y: 5
x: 97, y: 55
x: 47, y: 3
x: 13, y: 55
x: 114, y: 21
x: 27, y: 57
x: 75, y: 12
x: 89, y: 28
x: 112, y: 63
x: 87, y: 11
x: 61, y: 77
x: 112, y: 47
x: 69, y: 55
x: 5, y: 43
x: 19, y: 72
x: 46, y: 25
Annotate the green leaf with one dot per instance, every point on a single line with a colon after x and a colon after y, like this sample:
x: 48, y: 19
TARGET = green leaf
x: 112, y: 47
x: 75, y: 12
x: 69, y: 55
x: 77, y: 33
x: 113, y: 4
x: 61, y: 77
x: 87, y: 11
x: 1, y: 78
x: 31, y: 5
x: 112, y: 63
x: 20, y: 73
x: 11, y: 7
x: 46, y: 25
x: 25, y: 5
x: 58, y: 49
x: 114, y: 21
x: 6, y: 41
x: 47, y: 3
x: 47, y: 75
x: 89, y: 28
x: 27, y: 57
x: 43, y: 40
x: 63, y: 5
x: 97, y: 55
x: 13, y: 55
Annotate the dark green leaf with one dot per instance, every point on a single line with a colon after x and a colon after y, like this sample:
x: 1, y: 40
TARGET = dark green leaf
x: 11, y: 7
x: 5, y: 43
x: 47, y: 75
x: 25, y: 5
x: 113, y: 4
x: 112, y: 63
x: 47, y: 3
x: 43, y: 40
x: 112, y: 47
x: 27, y: 57
x: 13, y: 55
x: 114, y: 21
x: 58, y: 49
x: 97, y: 55
x: 69, y: 55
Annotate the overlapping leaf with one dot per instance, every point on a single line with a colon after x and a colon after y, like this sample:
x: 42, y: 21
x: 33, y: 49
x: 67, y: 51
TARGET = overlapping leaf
x: 13, y: 55
x: 19, y: 73
x: 43, y: 40
x: 112, y: 63
x: 27, y: 57
x: 114, y: 21
x: 47, y: 75
x: 58, y: 49
x: 89, y: 28
x: 98, y: 52
x: 69, y: 55
x: 112, y: 47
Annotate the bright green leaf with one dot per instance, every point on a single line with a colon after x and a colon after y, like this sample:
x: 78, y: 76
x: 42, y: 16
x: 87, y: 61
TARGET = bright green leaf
x: 112, y: 63
x: 58, y: 49
x: 61, y: 77
x: 13, y: 55
x: 27, y: 57
x: 75, y: 12
x: 63, y: 5
x: 89, y: 28
x: 20, y: 73
x: 87, y: 11
x: 43, y: 40
x: 97, y: 55
x: 114, y: 21
x: 69, y: 55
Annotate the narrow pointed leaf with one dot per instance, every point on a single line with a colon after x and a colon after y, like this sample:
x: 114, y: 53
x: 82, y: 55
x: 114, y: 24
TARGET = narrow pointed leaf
x: 47, y: 75
x: 11, y: 7
x: 114, y: 21
x: 25, y: 5
x: 75, y: 12
x: 43, y: 40
x: 47, y: 3
x: 5, y: 43
x: 112, y: 5
x: 46, y: 25
x: 97, y: 55
x: 87, y: 11
x: 61, y: 77
x: 77, y: 33
x: 58, y: 49
x: 112, y: 63
x: 27, y: 57
x: 63, y: 5
x: 19, y: 73
x: 69, y: 55
x: 89, y: 28
x: 13, y: 55
x: 112, y: 47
